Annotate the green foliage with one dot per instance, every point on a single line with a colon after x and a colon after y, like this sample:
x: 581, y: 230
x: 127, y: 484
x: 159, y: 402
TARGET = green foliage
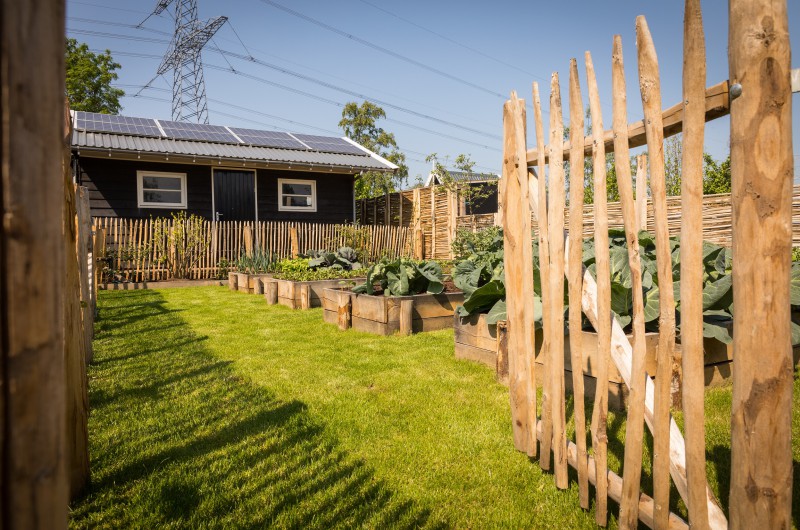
x: 359, y: 123
x: 716, y: 175
x: 403, y: 277
x: 259, y: 262
x: 299, y: 270
x: 481, y: 275
x: 180, y: 241
x: 343, y: 259
x: 89, y: 78
x: 223, y: 268
x: 468, y: 242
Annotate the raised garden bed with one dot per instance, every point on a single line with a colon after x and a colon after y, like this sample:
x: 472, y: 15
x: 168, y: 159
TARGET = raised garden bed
x: 246, y: 282
x: 302, y: 295
x: 386, y: 315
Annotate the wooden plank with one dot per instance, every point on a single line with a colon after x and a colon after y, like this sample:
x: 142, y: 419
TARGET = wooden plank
x: 518, y: 273
x: 295, y: 245
x: 761, y: 175
x: 544, y: 268
x: 717, y: 105
x: 370, y: 308
x: 575, y: 278
x: 473, y: 353
x: 460, y: 335
x: 555, y: 219
x: 650, y: 87
x: 691, y: 254
x: 33, y: 172
x: 370, y: 326
x: 604, y: 318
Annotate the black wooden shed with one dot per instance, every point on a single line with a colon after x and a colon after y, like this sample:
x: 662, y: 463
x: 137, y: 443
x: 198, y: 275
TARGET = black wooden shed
x: 142, y: 167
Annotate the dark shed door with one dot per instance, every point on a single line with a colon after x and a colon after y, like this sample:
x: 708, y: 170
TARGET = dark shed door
x: 234, y: 195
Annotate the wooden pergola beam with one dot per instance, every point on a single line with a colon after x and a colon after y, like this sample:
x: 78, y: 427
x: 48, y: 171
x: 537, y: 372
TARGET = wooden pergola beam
x: 717, y: 104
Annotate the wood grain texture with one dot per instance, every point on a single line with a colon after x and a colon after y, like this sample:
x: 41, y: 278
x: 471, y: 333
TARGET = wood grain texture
x: 761, y: 174
x: 406, y: 316
x: 650, y: 88
x: 555, y: 282
x: 271, y: 292
x: 544, y: 269
x: 34, y: 459
x: 603, y: 267
x: 641, y: 191
x: 691, y: 256
x: 575, y: 278
x: 518, y: 271
x: 717, y: 105
x: 344, y: 310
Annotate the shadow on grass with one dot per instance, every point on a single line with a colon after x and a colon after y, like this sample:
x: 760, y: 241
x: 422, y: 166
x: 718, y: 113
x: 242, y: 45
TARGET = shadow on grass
x: 179, y: 439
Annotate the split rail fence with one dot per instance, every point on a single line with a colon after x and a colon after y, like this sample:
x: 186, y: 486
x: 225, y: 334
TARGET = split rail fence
x: 761, y: 161
x: 133, y: 254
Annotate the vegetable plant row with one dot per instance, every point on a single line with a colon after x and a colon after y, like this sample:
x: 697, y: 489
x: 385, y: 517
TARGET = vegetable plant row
x: 480, y: 274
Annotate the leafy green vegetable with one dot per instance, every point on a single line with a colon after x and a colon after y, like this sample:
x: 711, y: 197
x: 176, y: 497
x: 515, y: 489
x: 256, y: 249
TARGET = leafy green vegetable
x: 299, y: 270
x: 403, y: 277
x: 343, y: 259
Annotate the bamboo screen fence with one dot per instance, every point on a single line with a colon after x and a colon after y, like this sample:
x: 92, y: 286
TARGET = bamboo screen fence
x: 761, y: 159
x: 134, y: 256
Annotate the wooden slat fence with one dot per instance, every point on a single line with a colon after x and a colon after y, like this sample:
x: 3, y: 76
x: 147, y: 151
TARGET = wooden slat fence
x: 129, y: 243
x: 761, y: 458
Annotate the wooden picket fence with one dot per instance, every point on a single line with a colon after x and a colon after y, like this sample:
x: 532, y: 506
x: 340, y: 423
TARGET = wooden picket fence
x: 761, y: 459
x: 133, y: 255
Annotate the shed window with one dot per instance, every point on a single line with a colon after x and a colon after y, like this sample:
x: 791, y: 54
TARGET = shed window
x: 297, y: 195
x: 158, y: 189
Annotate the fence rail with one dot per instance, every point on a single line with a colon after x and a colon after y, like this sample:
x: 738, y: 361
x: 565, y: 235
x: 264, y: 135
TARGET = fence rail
x: 133, y: 254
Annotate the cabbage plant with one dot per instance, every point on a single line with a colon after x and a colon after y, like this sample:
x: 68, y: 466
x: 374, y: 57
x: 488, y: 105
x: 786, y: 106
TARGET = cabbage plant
x: 403, y: 277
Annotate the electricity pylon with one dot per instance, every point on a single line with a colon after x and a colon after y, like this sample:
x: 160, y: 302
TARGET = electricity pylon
x: 183, y: 58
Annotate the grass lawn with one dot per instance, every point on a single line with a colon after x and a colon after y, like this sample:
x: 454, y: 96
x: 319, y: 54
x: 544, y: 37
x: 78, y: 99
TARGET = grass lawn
x: 210, y: 409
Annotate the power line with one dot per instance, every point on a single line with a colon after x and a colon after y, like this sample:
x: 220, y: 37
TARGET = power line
x: 382, y: 49
x: 271, y: 116
x: 316, y: 81
x: 250, y: 57
x: 452, y: 41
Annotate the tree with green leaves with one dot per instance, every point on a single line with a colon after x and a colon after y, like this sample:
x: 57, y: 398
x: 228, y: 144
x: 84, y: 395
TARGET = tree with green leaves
x: 359, y: 123
x: 89, y: 78
x: 473, y: 194
x: 716, y: 175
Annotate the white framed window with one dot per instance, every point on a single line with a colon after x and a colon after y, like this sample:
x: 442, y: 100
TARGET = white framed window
x: 160, y: 189
x: 297, y: 195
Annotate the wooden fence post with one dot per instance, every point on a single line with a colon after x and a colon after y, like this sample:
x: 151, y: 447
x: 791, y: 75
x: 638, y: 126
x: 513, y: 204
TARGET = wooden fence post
x: 305, y: 296
x: 98, y: 255
x: 271, y: 292
x: 295, y: 246
x: 519, y: 276
x: 761, y: 174
x: 345, y: 311
x: 406, y: 316
x: 83, y: 225
x: 501, y: 369
x: 34, y: 488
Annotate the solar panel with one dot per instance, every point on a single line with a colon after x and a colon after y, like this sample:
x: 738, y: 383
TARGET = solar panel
x: 93, y: 121
x: 268, y: 138
x: 197, y: 131
x: 329, y: 144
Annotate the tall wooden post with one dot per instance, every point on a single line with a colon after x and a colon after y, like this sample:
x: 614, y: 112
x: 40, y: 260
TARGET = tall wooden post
x: 34, y: 486
x: 761, y: 174
x: 519, y: 274
x: 83, y: 225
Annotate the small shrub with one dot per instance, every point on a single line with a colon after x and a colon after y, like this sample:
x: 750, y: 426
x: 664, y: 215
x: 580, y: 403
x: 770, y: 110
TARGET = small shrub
x: 468, y: 242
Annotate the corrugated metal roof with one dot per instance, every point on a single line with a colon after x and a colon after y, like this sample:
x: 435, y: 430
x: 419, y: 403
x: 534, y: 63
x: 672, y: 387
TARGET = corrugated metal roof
x: 130, y: 143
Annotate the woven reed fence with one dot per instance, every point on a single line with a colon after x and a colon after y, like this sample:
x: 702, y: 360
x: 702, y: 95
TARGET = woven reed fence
x: 716, y: 218
x: 135, y: 256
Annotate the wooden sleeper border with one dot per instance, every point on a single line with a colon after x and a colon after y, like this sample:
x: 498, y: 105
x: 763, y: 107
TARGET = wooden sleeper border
x: 301, y: 295
x: 386, y: 315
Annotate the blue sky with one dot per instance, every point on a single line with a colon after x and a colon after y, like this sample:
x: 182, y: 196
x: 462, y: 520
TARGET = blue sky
x: 460, y: 60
